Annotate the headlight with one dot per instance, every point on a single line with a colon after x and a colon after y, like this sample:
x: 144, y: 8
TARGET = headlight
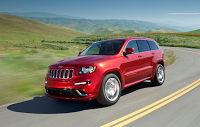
x: 86, y: 70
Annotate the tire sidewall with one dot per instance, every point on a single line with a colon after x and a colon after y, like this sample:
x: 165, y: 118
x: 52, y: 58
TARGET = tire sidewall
x: 159, y: 65
x: 102, y: 89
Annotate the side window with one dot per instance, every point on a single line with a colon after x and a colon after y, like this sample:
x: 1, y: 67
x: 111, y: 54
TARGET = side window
x: 143, y: 45
x: 133, y: 44
x: 152, y: 45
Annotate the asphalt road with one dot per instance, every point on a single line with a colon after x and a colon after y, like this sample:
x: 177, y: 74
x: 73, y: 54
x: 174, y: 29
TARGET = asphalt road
x: 179, y: 110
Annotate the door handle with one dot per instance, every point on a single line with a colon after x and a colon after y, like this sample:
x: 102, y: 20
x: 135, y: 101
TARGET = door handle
x: 152, y: 53
x: 139, y: 56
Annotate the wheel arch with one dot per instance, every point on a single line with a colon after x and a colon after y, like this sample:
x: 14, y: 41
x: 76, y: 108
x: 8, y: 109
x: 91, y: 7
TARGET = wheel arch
x: 162, y: 63
x: 117, y: 73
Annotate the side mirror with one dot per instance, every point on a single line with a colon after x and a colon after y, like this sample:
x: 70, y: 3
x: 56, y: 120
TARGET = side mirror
x: 129, y: 51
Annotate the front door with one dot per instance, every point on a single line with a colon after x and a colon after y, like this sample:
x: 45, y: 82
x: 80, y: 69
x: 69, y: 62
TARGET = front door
x: 133, y: 63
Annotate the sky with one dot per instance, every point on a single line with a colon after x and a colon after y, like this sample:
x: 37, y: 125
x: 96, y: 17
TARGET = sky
x: 161, y: 11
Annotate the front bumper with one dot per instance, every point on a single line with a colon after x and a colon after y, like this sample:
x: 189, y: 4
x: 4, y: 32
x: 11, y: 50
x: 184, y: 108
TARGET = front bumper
x: 65, y: 89
x: 70, y: 94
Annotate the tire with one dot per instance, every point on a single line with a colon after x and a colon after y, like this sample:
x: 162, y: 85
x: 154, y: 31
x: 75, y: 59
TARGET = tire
x: 110, y: 90
x: 159, y: 77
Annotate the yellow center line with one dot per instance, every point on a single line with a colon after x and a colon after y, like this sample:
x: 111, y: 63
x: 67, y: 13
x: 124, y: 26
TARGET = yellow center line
x: 149, y: 106
x: 160, y: 103
x: 156, y: 107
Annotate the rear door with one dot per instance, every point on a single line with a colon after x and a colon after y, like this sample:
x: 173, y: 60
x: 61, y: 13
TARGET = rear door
x: 154, y: 52
x: 147, y: 58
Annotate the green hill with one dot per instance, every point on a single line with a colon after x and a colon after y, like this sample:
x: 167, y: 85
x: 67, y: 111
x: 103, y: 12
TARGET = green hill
x: 110, y: 30
x: 132, y: 31
x: 89, y: 26
x: 18, y: 29
x: 195, y: 31
x: 163, y: 30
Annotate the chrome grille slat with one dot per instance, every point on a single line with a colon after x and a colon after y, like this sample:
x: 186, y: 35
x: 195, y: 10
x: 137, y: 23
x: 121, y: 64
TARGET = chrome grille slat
x: 55, y: 72
x: 71, y: 73
x: 66, y: 73
x: 58, y: 74
x: 50, y: 71
x: 61, y: 73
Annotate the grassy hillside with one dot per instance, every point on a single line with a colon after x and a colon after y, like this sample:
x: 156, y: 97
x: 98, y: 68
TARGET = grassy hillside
x: 163, y: 30
x: 194, y: 31
x: 18, y: 29
x: 131, y: 31
x: 110, y: 30
x: 89, y: 26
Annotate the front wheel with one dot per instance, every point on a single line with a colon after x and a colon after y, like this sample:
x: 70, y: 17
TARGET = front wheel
x: 159, y: 77
x: 110, y: 90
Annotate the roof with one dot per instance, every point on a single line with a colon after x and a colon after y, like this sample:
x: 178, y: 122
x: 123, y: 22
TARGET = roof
x: 129, y: 38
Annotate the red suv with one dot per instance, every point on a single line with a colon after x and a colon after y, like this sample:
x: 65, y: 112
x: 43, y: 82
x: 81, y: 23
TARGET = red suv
x: 105, y: 68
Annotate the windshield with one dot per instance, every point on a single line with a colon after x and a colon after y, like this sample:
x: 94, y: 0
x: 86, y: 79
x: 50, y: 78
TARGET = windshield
x: 104, y: 48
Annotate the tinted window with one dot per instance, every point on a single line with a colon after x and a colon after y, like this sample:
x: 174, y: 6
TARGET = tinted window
x: 132, y: 44
x: 143, y: 45
x: 103, y: 48
x: 152, y: 45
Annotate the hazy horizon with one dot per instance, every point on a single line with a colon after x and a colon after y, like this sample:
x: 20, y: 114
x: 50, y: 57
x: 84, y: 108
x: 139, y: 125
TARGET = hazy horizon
x: 177, y: 12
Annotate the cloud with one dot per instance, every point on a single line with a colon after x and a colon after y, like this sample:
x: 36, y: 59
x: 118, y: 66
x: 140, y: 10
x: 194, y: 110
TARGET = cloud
x: 183, y: 13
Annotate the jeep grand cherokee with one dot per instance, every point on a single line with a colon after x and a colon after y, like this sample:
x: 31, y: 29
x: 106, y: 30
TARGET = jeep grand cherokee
x: 105, y: 68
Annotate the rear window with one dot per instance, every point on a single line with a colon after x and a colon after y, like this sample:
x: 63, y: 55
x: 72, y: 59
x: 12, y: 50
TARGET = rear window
x: 143, y: 45
x: 152, y: 45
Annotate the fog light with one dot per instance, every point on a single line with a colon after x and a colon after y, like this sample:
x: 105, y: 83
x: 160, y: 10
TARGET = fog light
x: 80, y: 83
x: 83, y: 83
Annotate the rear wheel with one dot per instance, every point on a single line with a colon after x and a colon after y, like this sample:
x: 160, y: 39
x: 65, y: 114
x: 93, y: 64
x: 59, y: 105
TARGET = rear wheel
x: 159, y: 77
x: 110, y: 90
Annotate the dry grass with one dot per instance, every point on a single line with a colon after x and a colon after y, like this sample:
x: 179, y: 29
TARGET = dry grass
x: 169, y: 56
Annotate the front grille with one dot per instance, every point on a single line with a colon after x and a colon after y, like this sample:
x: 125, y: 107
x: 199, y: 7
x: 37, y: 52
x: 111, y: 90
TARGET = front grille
x: 61, y: 73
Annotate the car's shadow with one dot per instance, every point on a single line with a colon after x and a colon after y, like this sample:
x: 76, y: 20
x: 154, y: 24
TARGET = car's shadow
x: 46, y: 105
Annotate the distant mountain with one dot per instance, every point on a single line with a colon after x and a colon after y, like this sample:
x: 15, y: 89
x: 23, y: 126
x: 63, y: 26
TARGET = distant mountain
x: 164, y: 30
x: 110, y: 30
x: 88, y: 25
x: 195, y: 26
x: 179, y: 26
x: 195, y: 31
x: 17, y: 29
x: 40, y: 14
x: 132, y: 31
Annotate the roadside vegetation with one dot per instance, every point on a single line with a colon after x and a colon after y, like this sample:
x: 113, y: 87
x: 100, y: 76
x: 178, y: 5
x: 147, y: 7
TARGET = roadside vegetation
x: 169, y: 56
x: 164, y: 39
x: 22, y: 70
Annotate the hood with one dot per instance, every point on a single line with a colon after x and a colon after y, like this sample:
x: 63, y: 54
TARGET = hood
x: 82, y: 61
